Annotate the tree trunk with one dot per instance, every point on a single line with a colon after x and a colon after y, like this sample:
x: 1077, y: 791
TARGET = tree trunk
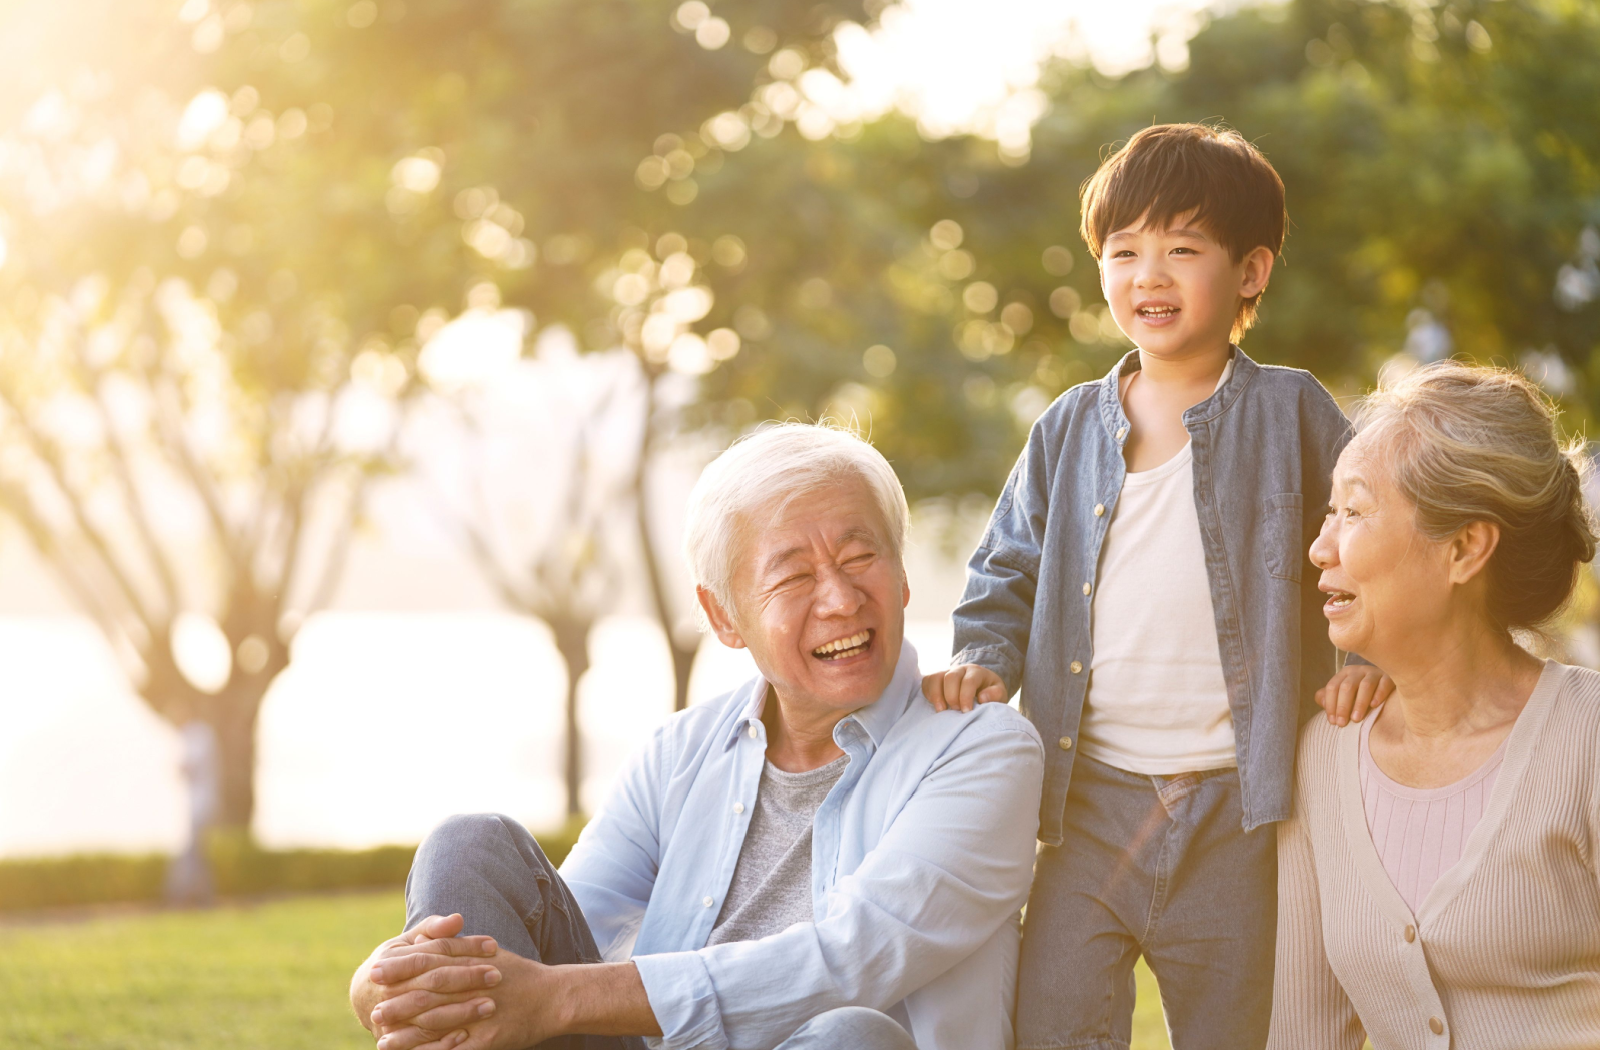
x: 682, y: 658
x: 233, y: 715
x: 572, y: 641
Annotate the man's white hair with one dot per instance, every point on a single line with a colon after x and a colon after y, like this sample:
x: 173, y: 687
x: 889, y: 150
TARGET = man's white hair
x: 761, y: 474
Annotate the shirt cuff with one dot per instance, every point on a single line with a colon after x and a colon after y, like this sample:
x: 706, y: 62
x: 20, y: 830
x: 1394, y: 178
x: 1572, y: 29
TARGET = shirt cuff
x: 684, y: 1001
x: 995, y: 659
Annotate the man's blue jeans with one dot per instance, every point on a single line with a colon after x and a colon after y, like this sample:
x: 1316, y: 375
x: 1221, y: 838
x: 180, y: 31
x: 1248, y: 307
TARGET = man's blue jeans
x: 1158, y: 866
x: 488, y: 868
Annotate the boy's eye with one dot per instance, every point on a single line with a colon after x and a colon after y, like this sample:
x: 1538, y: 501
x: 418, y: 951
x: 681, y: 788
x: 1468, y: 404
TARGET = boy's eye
x: 1190, y: 251
x: 1122, y: 253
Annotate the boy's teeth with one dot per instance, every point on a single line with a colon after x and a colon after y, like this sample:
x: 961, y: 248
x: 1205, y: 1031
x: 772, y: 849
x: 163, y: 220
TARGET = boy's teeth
x: 853, y: 642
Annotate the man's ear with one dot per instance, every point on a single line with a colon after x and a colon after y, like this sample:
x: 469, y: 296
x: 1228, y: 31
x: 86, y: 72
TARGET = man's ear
x: 1257, y: 265
x: 1258, y: 271
x: 1471, y: 549
x: 721, y: 623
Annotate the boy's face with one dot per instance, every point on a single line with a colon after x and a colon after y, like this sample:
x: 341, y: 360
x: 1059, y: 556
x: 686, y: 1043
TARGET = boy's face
x: 1176, y: 292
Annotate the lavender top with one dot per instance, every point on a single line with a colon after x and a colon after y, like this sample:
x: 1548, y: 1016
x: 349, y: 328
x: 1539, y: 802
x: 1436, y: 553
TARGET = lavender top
x: 1419, y: 832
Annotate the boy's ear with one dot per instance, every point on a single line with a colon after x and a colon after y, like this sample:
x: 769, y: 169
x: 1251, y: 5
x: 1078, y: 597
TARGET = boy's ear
x: 1257, y: 267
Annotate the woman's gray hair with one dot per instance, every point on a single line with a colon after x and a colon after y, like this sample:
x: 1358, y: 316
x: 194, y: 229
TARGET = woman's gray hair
x: 762, y: 474
x: 1465, y: 444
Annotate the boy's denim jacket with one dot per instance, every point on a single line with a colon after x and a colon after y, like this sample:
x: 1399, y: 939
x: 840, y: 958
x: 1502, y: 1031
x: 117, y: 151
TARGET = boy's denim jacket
x: 1264, y: 446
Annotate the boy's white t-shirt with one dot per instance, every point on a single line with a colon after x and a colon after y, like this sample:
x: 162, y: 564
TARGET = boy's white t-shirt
x: 1157, y: 702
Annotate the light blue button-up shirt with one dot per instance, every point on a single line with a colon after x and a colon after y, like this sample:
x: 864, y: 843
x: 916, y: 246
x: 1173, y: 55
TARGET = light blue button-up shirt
x: 921, y: 859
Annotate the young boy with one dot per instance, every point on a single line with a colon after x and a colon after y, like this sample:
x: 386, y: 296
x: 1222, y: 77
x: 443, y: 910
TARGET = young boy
x: 1144, y: 580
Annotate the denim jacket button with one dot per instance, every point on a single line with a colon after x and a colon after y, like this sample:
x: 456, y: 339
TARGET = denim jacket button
x: 1099, y: 510
x: 1087, y: 587
x: 1066, y: 743
x: 1077, y: 668
x: 1122, y: 432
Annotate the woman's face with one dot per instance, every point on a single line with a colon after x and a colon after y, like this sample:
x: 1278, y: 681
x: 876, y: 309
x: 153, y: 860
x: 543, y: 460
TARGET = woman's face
x: 1389, y: 586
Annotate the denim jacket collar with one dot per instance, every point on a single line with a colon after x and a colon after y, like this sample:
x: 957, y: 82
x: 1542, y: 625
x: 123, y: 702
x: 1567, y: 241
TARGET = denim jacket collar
x: 1115, y: 419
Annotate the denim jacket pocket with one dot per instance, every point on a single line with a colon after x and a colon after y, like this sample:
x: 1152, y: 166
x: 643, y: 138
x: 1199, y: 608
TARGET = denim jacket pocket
x: 1281, y: 535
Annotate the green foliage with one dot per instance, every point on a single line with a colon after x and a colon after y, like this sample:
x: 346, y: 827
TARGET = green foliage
x: 239, y: 867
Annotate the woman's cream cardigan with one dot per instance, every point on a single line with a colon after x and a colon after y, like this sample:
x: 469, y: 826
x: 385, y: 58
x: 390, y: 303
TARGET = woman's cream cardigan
x: 1505, y: 950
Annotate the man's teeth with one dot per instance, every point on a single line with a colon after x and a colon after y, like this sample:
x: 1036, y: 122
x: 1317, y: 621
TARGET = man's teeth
x: 855, y: 641
x: 1341, y: 598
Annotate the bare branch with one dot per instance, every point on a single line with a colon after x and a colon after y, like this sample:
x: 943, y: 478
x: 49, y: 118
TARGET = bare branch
x: 123, y: 469
x: 21, y: 509
x: 98, y: 541
x: 169, y: 418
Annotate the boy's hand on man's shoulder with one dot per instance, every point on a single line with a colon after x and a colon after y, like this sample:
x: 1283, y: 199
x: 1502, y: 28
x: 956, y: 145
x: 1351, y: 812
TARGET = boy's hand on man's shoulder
x: 963, y: 686
x: 1354, y: 690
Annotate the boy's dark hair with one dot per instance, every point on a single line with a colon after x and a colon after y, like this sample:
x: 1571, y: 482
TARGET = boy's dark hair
x: 1169, y: 170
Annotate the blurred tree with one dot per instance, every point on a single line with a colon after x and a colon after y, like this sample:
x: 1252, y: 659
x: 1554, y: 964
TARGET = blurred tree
x: 261, y: 169
x: 536, y: 455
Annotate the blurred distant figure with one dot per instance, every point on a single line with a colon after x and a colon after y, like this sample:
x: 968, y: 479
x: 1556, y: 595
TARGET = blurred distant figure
x: 189, y: 878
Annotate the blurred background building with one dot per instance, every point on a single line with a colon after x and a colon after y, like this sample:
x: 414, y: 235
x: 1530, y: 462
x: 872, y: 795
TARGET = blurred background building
x: 356, y: 357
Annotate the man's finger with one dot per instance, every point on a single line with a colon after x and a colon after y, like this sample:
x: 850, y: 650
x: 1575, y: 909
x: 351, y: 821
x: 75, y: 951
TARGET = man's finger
x: 434, y: 927
x: 448, y: 1042
x: 435, y: 973
x: 410, y: 1037
x: 455, y: 1015
x: 404, y: 1008
x: 455, y: 947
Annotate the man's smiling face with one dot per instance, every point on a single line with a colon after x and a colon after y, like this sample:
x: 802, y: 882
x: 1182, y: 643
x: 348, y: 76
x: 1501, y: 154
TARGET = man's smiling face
x: 819, y: 598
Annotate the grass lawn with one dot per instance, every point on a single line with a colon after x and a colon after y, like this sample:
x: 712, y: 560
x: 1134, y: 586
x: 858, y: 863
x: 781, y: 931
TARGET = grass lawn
x: 268, y: 976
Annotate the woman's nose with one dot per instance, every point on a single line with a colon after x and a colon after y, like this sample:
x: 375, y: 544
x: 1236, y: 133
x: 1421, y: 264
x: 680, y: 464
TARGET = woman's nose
x: 1325, y: 548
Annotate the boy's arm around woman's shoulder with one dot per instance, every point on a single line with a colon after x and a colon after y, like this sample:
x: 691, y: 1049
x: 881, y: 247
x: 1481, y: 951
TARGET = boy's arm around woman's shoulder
x: 995, y: 615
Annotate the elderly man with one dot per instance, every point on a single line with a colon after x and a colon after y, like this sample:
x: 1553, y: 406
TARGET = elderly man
x: 816, y: 861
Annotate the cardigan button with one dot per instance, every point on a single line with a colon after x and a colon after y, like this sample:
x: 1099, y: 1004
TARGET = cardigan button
x: 1411, y: 934
x: 1435, y: 1026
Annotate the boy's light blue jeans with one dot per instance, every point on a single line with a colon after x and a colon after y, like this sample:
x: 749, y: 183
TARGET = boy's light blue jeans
x: 1158, y: 866
x: 488, y: 868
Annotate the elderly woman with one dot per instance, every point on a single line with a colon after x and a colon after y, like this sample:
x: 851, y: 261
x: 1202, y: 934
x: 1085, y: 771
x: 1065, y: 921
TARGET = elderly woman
x: 816, y: 860
x: 1439, y: 883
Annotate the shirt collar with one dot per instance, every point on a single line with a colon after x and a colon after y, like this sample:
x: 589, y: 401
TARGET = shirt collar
x: 877, y: 718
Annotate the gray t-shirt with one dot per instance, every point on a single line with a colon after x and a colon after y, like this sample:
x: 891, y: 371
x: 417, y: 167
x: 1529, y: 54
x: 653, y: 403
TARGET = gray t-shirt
x: 771, y: 887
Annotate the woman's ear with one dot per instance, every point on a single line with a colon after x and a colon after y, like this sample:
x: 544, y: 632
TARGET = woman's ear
x: 721, y: 623
x: 1471, y: 549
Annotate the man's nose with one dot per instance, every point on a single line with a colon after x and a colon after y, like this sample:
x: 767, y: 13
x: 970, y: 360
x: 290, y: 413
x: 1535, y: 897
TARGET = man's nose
x: 837, y: 595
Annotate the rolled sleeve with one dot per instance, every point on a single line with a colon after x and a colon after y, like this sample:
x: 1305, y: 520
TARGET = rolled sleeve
x: 684, y: 1001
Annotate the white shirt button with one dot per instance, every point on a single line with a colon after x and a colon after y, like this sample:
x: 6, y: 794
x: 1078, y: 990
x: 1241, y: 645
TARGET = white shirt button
x: 708, y: 902
x: 738, y: 807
